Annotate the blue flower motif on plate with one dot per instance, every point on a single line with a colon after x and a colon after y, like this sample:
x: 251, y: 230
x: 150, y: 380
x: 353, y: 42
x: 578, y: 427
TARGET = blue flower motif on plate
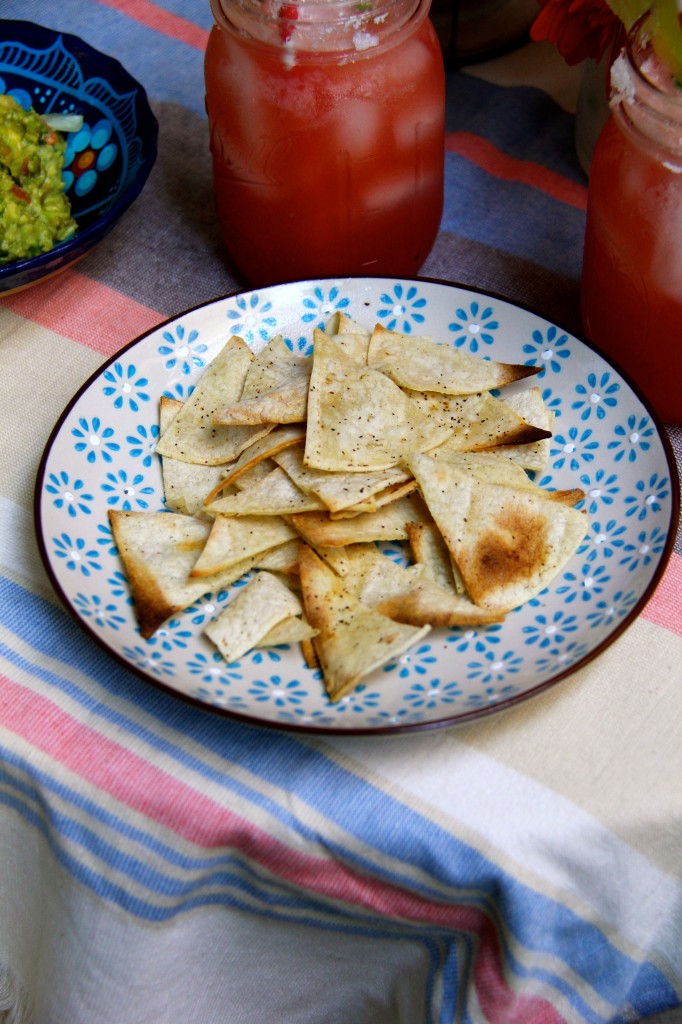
x: 95, y: 440
x: 469, y: 639
x: 632, y: 439
x: 573, y: 448
x: 603, y: 541
x: 125, y: 492
x: 558, y: 659
x: 182, y: 350
x: 213, y: 670
x: 494, y: 667
x: 143, y: 446
x: 75, y: 555
x: 172, y: 634
x: 303, y: 346
x: 148, y: 660
x: 596, y: 396
x: 252, y: 320
x: 418, y: 661
x: 128, y: 389
x: 102, y: 615
x: 591, y: 581
x: 403, y: 309
x: 322, y: 305
x: 278, y: 691
x: 358, y: 702
x: 600, y: 489
x: 431, y: 695
x: 547, y: 350
x: 475, y: 326
x: 605, y: 612
x: 642, y: 552
x: 649, y: 497
x: 70, y: 496
x: 550, y: 629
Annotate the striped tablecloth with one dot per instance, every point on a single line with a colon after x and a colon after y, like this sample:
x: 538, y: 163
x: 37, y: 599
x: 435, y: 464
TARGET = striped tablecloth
x: 162, y: 864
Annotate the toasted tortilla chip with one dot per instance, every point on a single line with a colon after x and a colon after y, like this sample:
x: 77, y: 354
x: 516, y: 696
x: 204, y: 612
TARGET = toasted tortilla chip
x: 529, y: 404
x: 421, y: 364
x: 158, y: 550
x: 358, y: 419
x: 409, y: 595
x: 275, y: 495
x: 282, y: 559
x: 430, y: 550
x: 353, y: 640
x: 289, y: 631
x: 192, y: 436
x: 234, y: 538
x: 185, y: 485
x: 350, y: 335
x: 260, y: 450
x: 377, y: 501
x: 257, y: 608
x: 275, y: 389
x: 509, y: 543
x: 337, y: 491
x: 479, y: 421
x: 388, y: 523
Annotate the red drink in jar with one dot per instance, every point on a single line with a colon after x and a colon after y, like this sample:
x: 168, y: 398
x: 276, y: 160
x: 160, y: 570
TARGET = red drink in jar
x: 327, y: 136
x: 632, y: 268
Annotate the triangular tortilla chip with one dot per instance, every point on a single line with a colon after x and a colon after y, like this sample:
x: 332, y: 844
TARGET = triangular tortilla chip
x: 234, y: 538
x: 508, y: 543
x: 353, y: 640
x: 158, y: 550
x: 337, y: 490
x: 262, y: 449
x: 251, y: 614
x: 185, y: 485
x: 388, y: 523
x: 409, y: 595
x: 293, y: 630
x: 274, y: 495
x: 529, y: 404
x: 421, y: 364
x: 358, y: 419
x: 478, y: 421
x: 192, y: 435
x: 350, y: 335
x: 275, y: 389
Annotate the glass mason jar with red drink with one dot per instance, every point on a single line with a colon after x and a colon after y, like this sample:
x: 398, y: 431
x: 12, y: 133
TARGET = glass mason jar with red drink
x: 326, y: 123
x: 632, y: 265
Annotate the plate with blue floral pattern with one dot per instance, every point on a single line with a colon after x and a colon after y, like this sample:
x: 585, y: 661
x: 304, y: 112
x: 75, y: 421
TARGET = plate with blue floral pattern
x: 605, y: 441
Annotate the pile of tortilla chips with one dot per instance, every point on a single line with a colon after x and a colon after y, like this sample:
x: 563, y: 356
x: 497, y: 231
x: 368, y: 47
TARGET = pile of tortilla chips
x: 291, y: 468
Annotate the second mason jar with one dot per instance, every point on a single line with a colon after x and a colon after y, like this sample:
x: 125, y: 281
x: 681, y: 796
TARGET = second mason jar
x: 326, y: 123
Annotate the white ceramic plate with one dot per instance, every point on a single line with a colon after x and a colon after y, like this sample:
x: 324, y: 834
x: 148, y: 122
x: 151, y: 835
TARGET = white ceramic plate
x: 101, y: 457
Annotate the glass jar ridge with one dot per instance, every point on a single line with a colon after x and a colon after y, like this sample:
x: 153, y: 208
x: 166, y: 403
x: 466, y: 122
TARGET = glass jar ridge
x: 645, y: 99
x: 317, y: 28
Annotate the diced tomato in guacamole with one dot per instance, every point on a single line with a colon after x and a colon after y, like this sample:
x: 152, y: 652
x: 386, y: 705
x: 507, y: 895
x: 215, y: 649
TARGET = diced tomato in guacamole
x: 35, y: 212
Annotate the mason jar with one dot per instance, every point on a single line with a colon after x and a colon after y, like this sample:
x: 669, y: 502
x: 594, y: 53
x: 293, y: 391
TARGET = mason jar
x: 632, y: 266
x: 326, y: 122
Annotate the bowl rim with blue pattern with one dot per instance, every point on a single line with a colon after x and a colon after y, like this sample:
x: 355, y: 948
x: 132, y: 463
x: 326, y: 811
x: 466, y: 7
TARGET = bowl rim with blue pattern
x: 60, y: 73
x: 606, y: 441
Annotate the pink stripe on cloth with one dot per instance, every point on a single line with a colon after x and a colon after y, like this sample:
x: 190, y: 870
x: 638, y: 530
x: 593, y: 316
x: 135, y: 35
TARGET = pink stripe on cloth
x: 85, y: 311
x: 165, y: 22
x: 181, y: 808
x: 665, y: 605
x: 486, y: 156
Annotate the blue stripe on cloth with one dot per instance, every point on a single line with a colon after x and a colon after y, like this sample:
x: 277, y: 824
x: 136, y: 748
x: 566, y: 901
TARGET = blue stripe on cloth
x: 486, y: 209
x: 536, y: 923
x: 522, y: 121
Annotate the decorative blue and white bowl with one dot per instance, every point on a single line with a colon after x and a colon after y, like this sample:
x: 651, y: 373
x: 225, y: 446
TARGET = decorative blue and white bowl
x: 107, y: 161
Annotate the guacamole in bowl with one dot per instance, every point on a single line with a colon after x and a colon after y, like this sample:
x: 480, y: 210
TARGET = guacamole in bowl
x: 35, y: 212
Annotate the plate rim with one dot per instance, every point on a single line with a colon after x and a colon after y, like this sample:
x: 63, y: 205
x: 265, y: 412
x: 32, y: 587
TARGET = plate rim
x: 463, y: 718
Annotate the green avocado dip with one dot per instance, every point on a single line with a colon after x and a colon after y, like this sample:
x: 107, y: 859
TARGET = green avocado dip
x: 35, y: 213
